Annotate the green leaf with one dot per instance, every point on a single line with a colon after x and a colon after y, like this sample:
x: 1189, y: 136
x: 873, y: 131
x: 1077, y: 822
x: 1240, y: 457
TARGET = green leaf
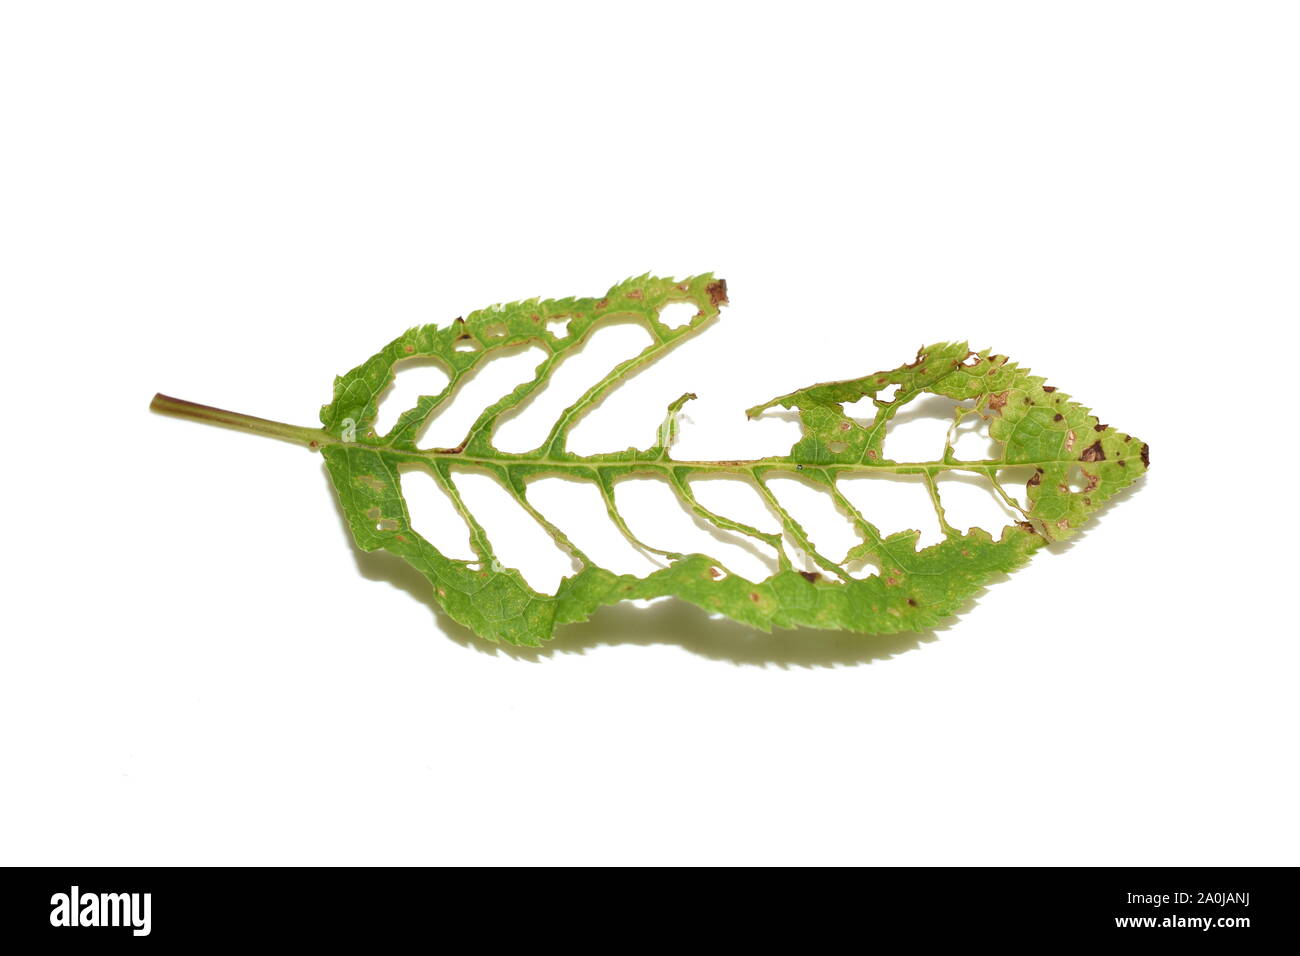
x: 1075, y: 464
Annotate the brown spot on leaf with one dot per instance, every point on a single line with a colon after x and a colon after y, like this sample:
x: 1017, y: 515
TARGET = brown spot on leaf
x: 997, y: 401
x: 635, y: 294
x: 714, y: 573
x: 1057, y: 417
x: 1145, y: 455
x: 408, y: 349
x: 717, y: 292
x: 810, y: 575
x: 753, y: 596
x: 912, y: 601
x: 1035, y: 479
x: 1070, y: 438
x: 1026, y: 526
x: 1049, y: 388
x: 1099, y: 427
x: 1093, y: 452
x: 603, y: 303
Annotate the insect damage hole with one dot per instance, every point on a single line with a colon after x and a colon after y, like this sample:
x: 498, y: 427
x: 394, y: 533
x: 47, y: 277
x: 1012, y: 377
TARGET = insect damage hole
x: 433, y: 515
x: 676, y: 314
x: 734, y: 498
x: 526, y: 427
x: 658, y: 517
x: 496, y: 375
x: 1014, y: 480
x: 559, y: 327
x: 518, y: 540
x: 888, y: 394
x: 918, y: 432
x: 895, y: 503
x: 829, y: 530
x: 738, y: 500
x: 866, y: 566
x: 969, y: 501
x: 579, y: 508
x: 1077, y: 480
x: 971, y: 440
x: 415, y: 378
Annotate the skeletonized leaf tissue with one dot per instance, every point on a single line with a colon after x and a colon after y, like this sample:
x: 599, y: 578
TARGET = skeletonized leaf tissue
x: 1073, y: 462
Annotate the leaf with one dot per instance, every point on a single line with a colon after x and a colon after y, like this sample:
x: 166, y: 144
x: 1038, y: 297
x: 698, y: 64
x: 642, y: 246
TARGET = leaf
x: 1076, y: 465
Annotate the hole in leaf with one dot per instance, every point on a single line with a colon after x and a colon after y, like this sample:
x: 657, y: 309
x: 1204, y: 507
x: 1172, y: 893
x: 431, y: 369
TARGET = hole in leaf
x: 578, y: 508
x: 1076, y: 480
x: 527, y: 427
x: 658, y: 517
x: 736, y: 499
x: 676, y: 314
x: 830, y: 531
x: 1014, y: 479
x: 518, y: 540
x: 863, y: 411
x: 465, y: 344
x: 559, y: 327
x: 495, y: 331
x: 433, y: 515
x: 416, y: 377
x: 918, y: 432
x: 895, y: 503
x: 969, y: 501
x: 496, y: 375
x: 887, y: 394
x: 971, y: 441
x: 863, y: 567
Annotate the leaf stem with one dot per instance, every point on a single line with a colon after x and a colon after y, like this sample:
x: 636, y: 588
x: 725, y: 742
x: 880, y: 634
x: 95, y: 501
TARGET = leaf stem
x: 166, y: 405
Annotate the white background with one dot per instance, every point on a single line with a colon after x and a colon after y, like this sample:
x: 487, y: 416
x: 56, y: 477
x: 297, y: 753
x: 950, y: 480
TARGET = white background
x: 233, y: 202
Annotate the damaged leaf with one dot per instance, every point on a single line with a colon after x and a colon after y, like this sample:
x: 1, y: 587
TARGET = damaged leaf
x: 1075, y: 465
